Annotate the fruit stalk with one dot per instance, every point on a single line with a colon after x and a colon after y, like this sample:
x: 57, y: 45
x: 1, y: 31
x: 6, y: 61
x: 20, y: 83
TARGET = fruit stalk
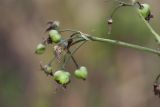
x: 155, y: 34
x: 119, y: 43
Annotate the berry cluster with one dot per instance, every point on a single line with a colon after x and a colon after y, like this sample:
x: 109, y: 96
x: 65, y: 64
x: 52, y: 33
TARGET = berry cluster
x: 61, y: 49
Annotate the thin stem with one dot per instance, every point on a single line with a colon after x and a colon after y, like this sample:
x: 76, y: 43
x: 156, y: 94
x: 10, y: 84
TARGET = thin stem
x: 155, y: 34
x: 71, y: 56
x: 79, y: 40
x: 119, y: 43
x: 116, y: 42
x: 74, y: 60
x: 124, y: 3
x: 51, y: 61
x: 157, y: 78
x: 69, y: 30
x: 121, y: 4
x: 129, y: 45
x: 78, y: 47
x: 115, y: 9
x: 64, y: 62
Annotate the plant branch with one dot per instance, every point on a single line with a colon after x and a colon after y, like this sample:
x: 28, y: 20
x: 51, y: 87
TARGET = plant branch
x: 119, y: 43
x: 155, y: 34
x: 71, y: 55
x: 122, y: 4
x: 74, y: 60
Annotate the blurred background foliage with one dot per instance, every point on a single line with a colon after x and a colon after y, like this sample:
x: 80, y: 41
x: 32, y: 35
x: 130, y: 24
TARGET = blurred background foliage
x: 118, y: 77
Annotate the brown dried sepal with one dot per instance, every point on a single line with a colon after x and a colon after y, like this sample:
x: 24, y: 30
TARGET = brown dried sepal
x: 58, y: 52
x: 110, y: 21
x: 156, y: 89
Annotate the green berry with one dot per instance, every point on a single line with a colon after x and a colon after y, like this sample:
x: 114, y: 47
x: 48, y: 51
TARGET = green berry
x: 81, y: 73
x: 62, y: 77
x: 55, y: 36
x: 40, y: 49
x: 145, y: 10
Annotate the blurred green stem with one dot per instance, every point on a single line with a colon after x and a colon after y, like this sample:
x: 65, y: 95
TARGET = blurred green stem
x: 155, y: 34
x: 120, y: 43
x: 71, y: 55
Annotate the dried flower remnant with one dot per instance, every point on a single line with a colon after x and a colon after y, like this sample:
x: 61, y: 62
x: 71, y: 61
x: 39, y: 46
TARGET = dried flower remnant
x: 47, y: 69
x: 156, y: 89
x: 53, y: 25
x: 58, y: 52
x: 110, y: 22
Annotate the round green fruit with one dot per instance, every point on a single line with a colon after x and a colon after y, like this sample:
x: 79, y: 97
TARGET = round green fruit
x: 55, y: 36
x: 62, y: 77
x: 81, y: 73
x: 145, y: 10
x: 40, y: 49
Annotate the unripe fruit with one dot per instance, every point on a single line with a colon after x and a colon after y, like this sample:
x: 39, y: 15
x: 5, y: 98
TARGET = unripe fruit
x: 62, y: 77
x: 81, y: 73
x: 145, y: 10
x: 55, y: 36
x: 40, y: 49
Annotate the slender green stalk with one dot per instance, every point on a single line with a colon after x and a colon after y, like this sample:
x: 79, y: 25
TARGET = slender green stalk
x: 119, y: 43
x: 122, y: 4
x: 70, y: 30
x: 70, y: 55
x: 74, y: 60
x: 155, y: 34
x: 116, y: 42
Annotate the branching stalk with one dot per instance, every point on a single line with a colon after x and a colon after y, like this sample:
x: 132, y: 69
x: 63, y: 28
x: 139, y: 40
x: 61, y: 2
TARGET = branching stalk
x: 120, y: 43
x: 155, y: 34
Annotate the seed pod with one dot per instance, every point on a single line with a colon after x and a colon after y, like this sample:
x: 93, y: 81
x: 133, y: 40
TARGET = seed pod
x: 40, y: 49
x: 62, y: 77
x: 81, y: 73
x: 55, y: 36
x: 145, y: 10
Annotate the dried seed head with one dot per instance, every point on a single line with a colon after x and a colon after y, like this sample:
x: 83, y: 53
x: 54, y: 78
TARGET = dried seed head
x: 49, y: 40
x: 58, y: 52
x: 156, y: 89
x: 53, y: 25
x: 110, y: 21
